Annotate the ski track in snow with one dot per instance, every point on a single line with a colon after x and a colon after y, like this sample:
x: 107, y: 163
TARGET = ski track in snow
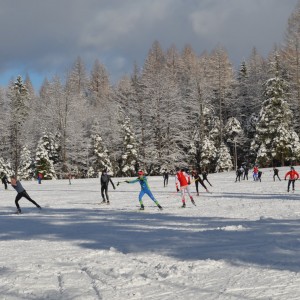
x: 241, y: 241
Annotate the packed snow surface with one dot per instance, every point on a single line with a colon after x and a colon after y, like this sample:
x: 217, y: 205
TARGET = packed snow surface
x: 241, y: 241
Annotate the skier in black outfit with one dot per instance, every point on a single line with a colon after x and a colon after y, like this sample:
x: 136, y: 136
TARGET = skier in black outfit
x: 276, y: 171
x: 4, y: 180
x: 246, y: 171
x: 166, y: 177
x: 204, y: 175
x: 198, y: 180
x: 259, y: 175
x: 105, y: 179
x: 239, y: 173
x: 16, y: 184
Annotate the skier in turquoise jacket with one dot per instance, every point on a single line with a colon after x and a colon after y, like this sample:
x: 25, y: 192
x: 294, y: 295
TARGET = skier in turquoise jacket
x: 142, y: 179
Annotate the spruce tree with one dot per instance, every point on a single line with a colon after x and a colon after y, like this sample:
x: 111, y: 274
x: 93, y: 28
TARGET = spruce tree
x: 224, y: 162
x: 275, y: 138
x: 130, y: 153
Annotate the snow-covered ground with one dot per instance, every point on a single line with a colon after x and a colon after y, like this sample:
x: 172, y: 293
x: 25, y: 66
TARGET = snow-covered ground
x: 241, y: 241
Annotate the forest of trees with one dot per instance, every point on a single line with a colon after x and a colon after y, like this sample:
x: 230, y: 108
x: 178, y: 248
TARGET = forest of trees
x: 179, y: 109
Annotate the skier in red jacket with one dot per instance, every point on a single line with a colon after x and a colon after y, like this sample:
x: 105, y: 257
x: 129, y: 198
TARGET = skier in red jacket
x: 183, y: 181
x: 293, y: 177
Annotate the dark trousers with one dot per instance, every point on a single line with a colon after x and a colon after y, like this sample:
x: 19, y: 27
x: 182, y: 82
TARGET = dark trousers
x: 166, y: 179
x: 277, y: 176
x: 25, y: 195
x: 293, y: 185
x: 104, y: 189
x: 207, y: 181
x: 5, y: 185
x: 245, y: 176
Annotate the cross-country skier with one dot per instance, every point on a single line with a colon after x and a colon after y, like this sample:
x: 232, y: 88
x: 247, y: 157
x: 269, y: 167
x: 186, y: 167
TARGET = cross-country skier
x: 4, y: 180
x: 105, y: 180
x: 276, y: 171
x: 16, y: 184
x: 39, y: 177
x: 255, y: 173
x: 166, y: 177
x: 259, y: 173
x: 204, y: 175
x: 239, y: 173
x: 182, y: 184
x: 142, y: 179
x: 293, y: 177
x: 198, y: 180
x: 246, y: 171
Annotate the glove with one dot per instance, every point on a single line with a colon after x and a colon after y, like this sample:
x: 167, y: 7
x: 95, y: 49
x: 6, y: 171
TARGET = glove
x: 177, y: 189
x: 189, y: 183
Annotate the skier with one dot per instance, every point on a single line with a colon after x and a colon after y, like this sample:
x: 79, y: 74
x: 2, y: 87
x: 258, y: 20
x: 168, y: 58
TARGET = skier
x: 166, y: 177
x: 246, y: 171
x: 183, y: 180
x: 4, y: 180
x: 142, y: 179
x: 259, y: 173
x: 70, y: 177
x: 104, y: 180
x: 198, y: 180
x: 204, y: 175
x: 293, y: 177
x: 39, y: 177
x: 239, y: 173
x: 16, y: 184
x: 255, y: 173
x: 276, y: 171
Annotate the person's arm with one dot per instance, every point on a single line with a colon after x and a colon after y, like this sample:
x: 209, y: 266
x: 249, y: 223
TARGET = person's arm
x: 132, y: 181
x: 112, y: 183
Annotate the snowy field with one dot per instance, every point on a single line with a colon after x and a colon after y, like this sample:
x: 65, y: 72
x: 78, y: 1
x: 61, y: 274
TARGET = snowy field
x: 241, y: 241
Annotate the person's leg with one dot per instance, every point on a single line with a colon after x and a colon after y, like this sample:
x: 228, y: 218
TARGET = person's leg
x: 106, y: 193
x: 183, y: 196
x: 102, y: 193
x: 293, y: 185
x: 142, y: 193
x: 197, y: 187
x: 18, y: 197
x: 274, y: 177
x: 25, y: 195
x: 289, y: 183
x: 149, y: 193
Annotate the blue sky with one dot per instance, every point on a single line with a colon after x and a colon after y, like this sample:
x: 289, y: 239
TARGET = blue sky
x: 43, y: 38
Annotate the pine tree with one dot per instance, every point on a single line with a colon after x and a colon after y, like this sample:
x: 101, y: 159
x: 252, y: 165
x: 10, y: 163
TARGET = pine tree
x: 99, y: 158
x: 43, y: 164
x: 224, y: 162
x: 208, y: 154
x: 130, y: 154
x: 19, y: 98
x: 25, y: 168
x: 275, y: 138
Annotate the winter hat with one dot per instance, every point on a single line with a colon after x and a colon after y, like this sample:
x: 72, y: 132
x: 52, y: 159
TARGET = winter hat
x: 140, y: 172
x: 292, y: 168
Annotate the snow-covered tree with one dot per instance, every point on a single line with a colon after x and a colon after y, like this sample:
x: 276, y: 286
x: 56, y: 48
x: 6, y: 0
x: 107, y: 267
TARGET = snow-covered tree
x: 224, y: 162
x: 25, y: 168
x: 130, y: 154
x: 275, y: 138
x: 208, y: 154
x: 43, y: 164
x: 5, y: 167
x: 19, y: 98
x: 100, y: 159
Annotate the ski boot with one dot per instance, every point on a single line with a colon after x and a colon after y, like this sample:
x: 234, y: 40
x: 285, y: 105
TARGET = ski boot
x: 183, y: 205
x: 103, y: 202
x: 159, y: 207
x: 107, y: 202
x: 142, y: 207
